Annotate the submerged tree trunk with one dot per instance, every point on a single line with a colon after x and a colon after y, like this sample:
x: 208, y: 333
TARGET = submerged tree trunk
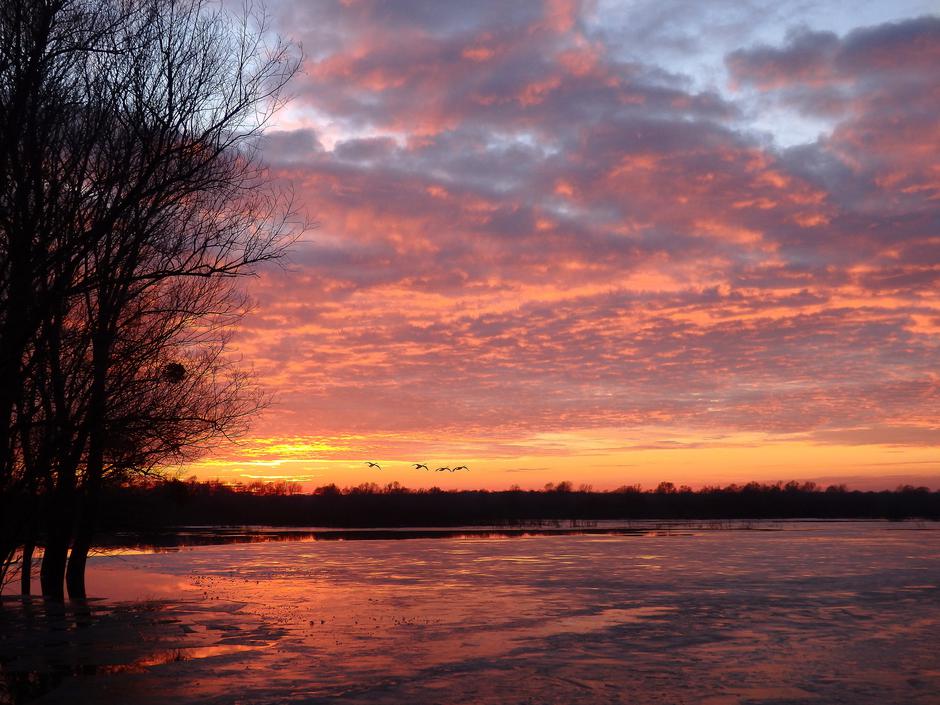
x: 26, y: 569
x: 52, y: 572
x: 88, y: 496
x: 75, y: 571
x: 56, y: 549
x: 7, y: 552
x: 81, y: 545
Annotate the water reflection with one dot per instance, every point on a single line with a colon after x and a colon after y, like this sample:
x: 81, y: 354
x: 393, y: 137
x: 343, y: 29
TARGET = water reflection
x: 125, y: 543
x: 813, y: 613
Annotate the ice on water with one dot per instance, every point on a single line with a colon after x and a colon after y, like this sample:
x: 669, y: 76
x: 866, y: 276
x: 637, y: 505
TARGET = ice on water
x: 806, y: 613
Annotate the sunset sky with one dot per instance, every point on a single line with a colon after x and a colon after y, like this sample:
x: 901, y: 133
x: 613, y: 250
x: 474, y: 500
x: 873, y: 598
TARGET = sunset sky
x: 608, y: 242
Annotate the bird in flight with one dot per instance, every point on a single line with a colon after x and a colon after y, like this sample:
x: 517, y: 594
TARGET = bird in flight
x: 441, y: 469
x: 374, y: 465
x: 461, y: 467
x: 418, y: 466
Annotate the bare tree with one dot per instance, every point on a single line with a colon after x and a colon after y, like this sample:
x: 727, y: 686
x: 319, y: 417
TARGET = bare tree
x: 46, y: 145
x: 161, y: 205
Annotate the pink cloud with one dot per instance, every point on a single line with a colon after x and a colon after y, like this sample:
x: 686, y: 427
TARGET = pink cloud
x: 537, y: 236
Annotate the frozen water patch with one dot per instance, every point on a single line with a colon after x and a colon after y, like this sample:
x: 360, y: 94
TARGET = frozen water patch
x: 822, y: 613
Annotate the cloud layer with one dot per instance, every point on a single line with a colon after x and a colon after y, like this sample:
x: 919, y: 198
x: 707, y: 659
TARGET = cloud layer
x: 520, y: 232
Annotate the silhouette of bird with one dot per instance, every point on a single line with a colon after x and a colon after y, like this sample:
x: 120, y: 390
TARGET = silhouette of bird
x: 418, y: 466
x: 441, y: 469
x: 374, y: 465
x: 461, y: 467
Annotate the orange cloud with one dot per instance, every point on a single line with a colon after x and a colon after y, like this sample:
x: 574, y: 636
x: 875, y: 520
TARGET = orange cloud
x: 547, y: 262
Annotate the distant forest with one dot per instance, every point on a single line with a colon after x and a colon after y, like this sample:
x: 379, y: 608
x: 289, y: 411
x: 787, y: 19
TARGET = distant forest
x: 177, y: 503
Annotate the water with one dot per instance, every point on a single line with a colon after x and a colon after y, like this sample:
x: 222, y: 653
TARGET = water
x: 807, y: 613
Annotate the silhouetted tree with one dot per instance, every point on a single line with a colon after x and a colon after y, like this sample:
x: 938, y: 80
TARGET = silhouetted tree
x: 50, y: 104
x: 131, y: 201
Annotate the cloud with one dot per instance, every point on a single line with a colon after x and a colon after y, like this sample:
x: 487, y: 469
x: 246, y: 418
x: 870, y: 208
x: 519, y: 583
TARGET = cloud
x: 523, y: 232
x: 880, y: 85
x: 907, y: 50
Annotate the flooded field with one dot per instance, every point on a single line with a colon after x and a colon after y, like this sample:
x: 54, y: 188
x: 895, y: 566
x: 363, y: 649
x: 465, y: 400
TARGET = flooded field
x: 797, y: 612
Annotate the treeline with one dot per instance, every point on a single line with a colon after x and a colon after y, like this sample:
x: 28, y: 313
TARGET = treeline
x: 176, y: 503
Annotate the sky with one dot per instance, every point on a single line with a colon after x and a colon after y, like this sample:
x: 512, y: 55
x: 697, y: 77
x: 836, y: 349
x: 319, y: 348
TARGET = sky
x: 607, y: 242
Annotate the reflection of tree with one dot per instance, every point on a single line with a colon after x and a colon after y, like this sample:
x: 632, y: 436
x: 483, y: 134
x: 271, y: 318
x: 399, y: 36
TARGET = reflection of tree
x: 131, y: 203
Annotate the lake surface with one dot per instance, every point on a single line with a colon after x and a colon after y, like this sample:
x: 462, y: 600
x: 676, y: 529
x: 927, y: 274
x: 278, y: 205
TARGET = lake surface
x: 791, y: 612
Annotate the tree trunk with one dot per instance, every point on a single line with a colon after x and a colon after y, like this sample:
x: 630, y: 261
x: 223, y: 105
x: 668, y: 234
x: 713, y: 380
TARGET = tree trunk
x: 52, y: 571
x: 75, y: 572
x: 56, y: 550
x: 26, y: 570
x: 6, y: 559
x: 94, y: 465
x: 81, y: 544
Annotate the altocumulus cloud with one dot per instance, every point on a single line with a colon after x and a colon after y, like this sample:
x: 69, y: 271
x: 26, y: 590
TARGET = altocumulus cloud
x: 522, y: 231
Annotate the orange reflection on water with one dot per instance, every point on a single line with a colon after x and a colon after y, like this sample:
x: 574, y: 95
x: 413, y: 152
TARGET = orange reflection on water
x: 822, y: 610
